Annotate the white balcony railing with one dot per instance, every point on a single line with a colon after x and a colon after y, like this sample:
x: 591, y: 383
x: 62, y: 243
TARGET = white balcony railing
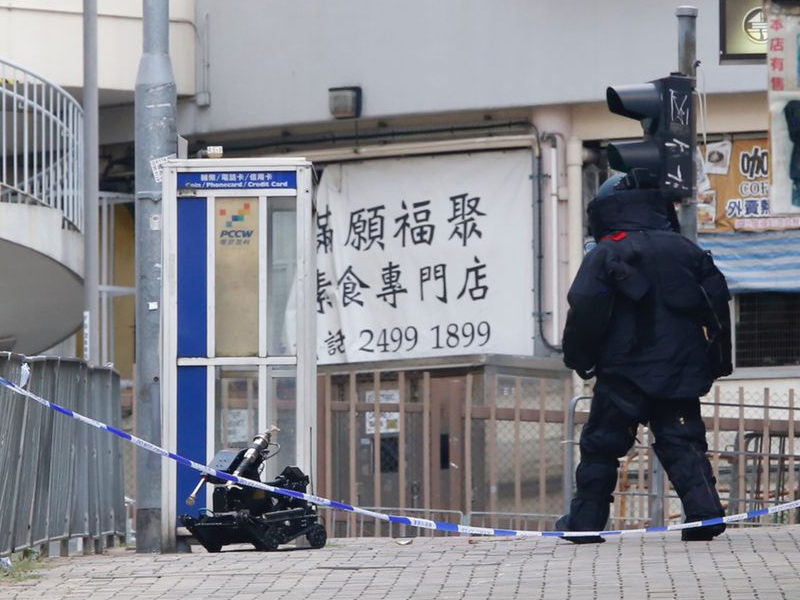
x: 41, y: 144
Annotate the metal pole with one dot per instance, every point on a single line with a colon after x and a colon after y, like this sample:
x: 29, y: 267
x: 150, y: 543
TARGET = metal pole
x: 156, y: 137
x: 687, y: 55
x: 91, y: 248
x: 656, y: 493
x: 687, y: 45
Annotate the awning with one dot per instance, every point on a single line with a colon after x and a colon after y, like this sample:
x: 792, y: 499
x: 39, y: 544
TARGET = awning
x: 756, y: 262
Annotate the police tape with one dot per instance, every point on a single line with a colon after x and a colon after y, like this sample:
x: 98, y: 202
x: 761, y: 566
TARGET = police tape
x: 400, y: 520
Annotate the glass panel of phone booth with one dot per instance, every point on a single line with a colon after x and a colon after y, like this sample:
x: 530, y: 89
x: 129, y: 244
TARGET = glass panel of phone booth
x: 282, y: 411
x: 235, y: 407
x: 281, y: 275
x: 236, y: 276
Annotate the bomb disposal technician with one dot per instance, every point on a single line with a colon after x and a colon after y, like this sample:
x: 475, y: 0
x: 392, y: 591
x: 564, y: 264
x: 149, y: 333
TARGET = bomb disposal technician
x: 648, y: 317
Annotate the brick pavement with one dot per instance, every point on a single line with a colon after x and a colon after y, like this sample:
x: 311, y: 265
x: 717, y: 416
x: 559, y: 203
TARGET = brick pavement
x: 755, y: 563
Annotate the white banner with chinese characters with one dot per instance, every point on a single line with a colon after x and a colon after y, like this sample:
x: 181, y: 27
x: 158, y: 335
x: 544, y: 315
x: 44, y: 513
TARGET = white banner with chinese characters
x: 784, y: 103
x: 423, y: 257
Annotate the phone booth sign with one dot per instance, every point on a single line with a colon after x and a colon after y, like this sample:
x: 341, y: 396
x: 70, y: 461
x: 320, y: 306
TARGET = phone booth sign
x: 238, y: 316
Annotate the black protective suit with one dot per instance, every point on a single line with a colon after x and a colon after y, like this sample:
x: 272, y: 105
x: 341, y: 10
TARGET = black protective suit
x: 649, y: 319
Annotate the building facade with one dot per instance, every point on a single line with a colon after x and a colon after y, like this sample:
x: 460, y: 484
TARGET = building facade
x: 456, y: 145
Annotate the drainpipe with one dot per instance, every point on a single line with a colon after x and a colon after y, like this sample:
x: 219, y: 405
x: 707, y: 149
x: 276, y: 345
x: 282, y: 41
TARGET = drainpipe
x: 575, y: 156
x: 575, y: 204
x: 554, y: 275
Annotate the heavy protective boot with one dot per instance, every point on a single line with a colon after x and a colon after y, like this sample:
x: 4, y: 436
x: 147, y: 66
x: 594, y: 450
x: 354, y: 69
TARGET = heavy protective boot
x: 596, y: 478
x: 693, y: 479
x: 702, y: 534
x: 583, y: 507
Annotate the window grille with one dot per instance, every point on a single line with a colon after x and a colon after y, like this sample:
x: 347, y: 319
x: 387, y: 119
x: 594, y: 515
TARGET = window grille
x: 767, y: 330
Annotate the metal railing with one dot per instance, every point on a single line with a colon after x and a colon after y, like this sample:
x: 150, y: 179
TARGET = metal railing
x: 41, y: 144
x: 358, y: 525
x: 511, y: 520
x: 501, y: 449
x: 60, y: 479
x: 469, y: 439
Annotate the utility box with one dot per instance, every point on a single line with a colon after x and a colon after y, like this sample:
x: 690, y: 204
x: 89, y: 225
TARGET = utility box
x: 238, y: 317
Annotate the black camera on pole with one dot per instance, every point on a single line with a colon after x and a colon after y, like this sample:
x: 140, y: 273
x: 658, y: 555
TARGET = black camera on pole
x: 664, y: 158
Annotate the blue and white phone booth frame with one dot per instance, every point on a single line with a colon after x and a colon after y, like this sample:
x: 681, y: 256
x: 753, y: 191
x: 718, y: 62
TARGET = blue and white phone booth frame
x: 238, y: 318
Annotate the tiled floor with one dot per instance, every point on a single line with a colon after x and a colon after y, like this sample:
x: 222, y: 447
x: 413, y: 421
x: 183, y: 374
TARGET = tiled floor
x: 760, y: 563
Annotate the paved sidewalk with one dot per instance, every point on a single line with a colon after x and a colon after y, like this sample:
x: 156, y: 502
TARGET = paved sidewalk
x: 743, y: 564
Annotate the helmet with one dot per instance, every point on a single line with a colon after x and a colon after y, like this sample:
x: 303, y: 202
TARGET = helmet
x: 612, y: 184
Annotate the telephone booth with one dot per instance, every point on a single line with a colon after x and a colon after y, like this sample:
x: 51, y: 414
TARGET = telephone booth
x: 238, y: 317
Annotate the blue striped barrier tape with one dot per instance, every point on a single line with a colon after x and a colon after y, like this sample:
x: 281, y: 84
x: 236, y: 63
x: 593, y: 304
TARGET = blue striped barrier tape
x: 397, y: 519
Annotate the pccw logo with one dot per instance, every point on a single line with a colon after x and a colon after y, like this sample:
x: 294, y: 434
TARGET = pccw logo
x: 234, y: 233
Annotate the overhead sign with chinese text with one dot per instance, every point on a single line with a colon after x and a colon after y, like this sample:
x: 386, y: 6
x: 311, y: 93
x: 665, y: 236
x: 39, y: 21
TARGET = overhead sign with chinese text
x: 783, y: 90
x: 422, y: 257
x: 733, y: 189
